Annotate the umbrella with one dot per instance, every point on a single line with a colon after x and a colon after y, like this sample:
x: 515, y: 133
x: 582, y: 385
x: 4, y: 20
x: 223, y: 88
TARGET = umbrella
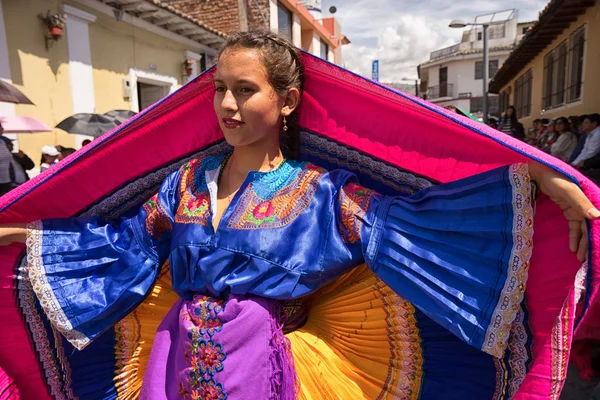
x: 10, y: 94
x: 15, y: 124
x: 120, y: 115
x: 467, y: 114
x: 88, y: 124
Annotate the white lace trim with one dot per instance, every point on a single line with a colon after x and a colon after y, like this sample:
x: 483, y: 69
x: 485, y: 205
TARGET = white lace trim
x: 43, y: 290
x: 508, y: 305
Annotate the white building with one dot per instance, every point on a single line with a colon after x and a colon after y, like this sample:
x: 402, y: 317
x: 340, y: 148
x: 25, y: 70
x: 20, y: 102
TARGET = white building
x: 453, y: 75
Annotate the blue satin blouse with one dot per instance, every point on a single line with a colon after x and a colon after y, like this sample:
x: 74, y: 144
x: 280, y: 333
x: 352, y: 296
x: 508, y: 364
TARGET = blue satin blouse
x: 452, y: 250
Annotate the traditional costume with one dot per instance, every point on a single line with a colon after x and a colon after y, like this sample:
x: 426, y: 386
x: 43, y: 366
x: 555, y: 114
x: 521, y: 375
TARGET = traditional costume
x: 395, y: 259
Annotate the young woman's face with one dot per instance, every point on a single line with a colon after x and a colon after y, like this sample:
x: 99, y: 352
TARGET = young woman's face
x: 247, y: 106
x: 510, y: 112
x: 560, y: 126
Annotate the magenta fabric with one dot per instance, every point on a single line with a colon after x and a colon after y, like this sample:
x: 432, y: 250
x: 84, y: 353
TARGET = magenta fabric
x: 397, y: 128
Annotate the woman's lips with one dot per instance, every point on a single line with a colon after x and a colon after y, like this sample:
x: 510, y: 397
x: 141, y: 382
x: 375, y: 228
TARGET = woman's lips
x: 231, y: 123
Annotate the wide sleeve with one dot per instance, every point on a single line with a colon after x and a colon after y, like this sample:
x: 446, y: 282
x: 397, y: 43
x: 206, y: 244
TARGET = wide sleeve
x: 458, y: 251
x: 88, y: 274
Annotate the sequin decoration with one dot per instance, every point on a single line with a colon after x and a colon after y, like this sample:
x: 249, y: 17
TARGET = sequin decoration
x: 275, y: 199
x: 353, y: 204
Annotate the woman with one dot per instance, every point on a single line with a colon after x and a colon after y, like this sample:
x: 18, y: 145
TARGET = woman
x: 251, y: 226
x: 509, y: 124
x: 566, y: 142
x: 49, y: 157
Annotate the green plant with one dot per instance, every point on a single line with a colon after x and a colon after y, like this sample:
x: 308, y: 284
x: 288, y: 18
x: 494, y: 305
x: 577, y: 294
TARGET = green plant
x: 54, y: 19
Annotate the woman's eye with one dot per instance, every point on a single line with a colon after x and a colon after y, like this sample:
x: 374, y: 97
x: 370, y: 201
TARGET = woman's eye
x: 220, y: 89
x: 246, y: 90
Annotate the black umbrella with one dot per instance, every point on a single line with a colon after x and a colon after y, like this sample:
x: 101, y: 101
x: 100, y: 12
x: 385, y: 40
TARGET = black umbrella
x: 120, y: 115
x: 88, y: 124
x: 10, y: 94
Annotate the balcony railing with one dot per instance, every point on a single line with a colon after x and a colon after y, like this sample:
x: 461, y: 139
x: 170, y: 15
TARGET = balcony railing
x: 444, y: 52
x: 436, y: 92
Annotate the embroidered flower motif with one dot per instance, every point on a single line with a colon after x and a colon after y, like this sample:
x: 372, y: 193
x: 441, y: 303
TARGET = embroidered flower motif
x: 211, y: 390
x: 195, y: 206
x: 183, y: 391
x: 262, y: 213
x: 204, y: 356
x: 210, y: 357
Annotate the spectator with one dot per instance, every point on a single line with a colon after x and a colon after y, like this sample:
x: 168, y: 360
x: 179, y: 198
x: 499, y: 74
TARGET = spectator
x: 65, y: 152
x: 566, y: 142
x: 575, y: 121
x: 591, y: 124
x: 581, y: 142
x: 5, y: 159
x: 19, y: 164
x: 509, y: 123
x: 532, y: 133
x: 49, y: 157
x: 548, y: 138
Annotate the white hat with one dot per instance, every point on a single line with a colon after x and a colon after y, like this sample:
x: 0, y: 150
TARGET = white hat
x: 50, y: 151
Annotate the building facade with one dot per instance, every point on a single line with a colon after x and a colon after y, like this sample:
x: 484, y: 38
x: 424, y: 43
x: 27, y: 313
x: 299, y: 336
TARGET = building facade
x: 551, y: 73
x: 454, y: 75
x: 112, y: 55
x: 299, y: 20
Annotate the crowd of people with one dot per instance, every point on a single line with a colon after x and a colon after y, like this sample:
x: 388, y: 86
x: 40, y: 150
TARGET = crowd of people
x: 14, y: 166
x: 574, y: 139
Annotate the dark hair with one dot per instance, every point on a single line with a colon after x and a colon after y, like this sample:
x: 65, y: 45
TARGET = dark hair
x: 285, y: 70
x: 595, y: 117
x: 565, y: 122
x: 513, y: 118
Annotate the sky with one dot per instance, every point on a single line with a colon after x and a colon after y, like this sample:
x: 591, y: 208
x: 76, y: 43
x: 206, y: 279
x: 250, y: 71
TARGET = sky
x: 402, y: 33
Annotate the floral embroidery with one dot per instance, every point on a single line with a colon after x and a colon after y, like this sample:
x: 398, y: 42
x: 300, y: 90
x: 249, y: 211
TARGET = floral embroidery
x: 262, y: 213
x: 273, y: 201
x: 354, y: 202
x: 210, y: 390
x: 205, y: 356
x: 157, y: 220
x: 194, y: 203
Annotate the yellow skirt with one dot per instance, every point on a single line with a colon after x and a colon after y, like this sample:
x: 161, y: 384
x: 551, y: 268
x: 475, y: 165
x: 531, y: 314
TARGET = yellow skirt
x: 360, y: 341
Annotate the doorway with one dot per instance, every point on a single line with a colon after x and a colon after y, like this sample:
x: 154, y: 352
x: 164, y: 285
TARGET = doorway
x: 149, y: 94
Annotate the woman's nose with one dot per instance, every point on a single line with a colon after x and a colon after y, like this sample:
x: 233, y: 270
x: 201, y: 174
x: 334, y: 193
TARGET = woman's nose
x: 229, y: 102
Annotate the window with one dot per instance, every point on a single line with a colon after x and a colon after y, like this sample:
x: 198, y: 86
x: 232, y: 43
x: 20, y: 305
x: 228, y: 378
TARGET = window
x: 555, y: 69
x: 284, y: 18
x: 476, y: 105
x: 494, y: 105
x: 324, y: 50
x: 479, y: 35
x: 576, y: 53
x: 504, y: 101
x: 523, y: 94
x: 493, y: 68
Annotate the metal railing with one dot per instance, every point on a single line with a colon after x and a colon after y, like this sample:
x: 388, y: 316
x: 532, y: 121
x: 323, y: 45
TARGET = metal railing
x: 436, y: 92
x: 444, y: 52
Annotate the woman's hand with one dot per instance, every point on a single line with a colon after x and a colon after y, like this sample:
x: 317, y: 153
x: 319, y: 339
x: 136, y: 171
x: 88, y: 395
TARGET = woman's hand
x: 575, y: 205
x: 12, y: 233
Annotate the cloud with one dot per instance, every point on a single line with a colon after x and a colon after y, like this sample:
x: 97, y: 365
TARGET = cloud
x: 401, y: 34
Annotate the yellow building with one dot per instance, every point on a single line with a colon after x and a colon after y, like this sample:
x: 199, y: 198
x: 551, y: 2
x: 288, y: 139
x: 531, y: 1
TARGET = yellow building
x: 552, y: 72
x: 113, y: 55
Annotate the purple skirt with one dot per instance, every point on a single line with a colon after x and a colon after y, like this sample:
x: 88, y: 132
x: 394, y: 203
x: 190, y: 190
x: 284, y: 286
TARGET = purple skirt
x: 216, y: 349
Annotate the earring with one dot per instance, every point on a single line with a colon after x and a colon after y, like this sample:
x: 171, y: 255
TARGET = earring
x: 285, y: 127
